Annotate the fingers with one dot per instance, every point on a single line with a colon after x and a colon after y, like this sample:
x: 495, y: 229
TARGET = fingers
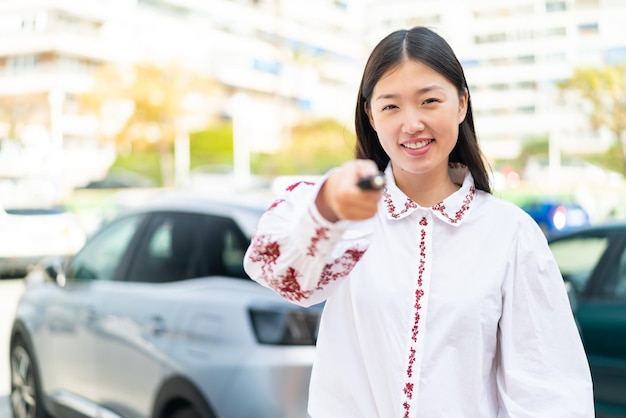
x: 341, y: 197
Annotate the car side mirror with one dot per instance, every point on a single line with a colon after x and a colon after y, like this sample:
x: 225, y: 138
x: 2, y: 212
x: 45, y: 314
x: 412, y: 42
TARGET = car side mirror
x: 572, y: 293
x: 49, y: 269
x: 573, y: 296
x: 52, y: 271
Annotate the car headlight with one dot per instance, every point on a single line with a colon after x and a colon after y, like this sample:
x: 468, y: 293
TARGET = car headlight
x: 285, y: 325
x: 559, y: 219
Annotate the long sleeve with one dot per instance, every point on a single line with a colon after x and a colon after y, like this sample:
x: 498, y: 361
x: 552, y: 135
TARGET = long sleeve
x: 298, y: 253
x: 543, y: 368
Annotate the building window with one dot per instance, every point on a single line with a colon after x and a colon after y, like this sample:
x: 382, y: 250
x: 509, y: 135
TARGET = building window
x: 525, y: 59
x: 493, y: 13
x: 554, y: 32
x: 526, y: 109
x: 490, y: 38
x: 588, y: 29
x: 587, y: 4
x: 526, y: 85
x: 556, y: 57
x: 499, y: 61
x: 432, y: 20
x: 21, y: 63
x: 555, y: 6
x: 499, y: 86
x: 616, y: 56
x: 470, y: 62
x: 270, y: 66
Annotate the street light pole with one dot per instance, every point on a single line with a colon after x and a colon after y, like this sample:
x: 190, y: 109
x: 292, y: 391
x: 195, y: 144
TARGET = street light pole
x: 56, y: 98
x: 241, y: 149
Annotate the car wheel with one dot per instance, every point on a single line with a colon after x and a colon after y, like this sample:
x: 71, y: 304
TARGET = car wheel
x: 25, y: 398
x: 185, y: 412
x: 179, y: 398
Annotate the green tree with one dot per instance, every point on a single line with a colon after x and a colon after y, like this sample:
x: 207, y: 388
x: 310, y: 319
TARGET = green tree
x: 533, y: 147
x: 16, y: 111
x: 605, y: 89
x: 314, y: 147
x: 158, y: 98
x: 213, y: 148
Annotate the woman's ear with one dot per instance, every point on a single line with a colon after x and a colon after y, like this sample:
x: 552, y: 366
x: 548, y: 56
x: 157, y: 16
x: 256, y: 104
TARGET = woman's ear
x: 463, y: 102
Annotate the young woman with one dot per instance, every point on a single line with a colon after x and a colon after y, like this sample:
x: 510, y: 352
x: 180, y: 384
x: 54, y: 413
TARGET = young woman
x: 441, y: 299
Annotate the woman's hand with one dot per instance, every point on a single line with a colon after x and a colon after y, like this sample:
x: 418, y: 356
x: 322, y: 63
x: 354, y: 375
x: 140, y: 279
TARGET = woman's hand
x: 340, y: 197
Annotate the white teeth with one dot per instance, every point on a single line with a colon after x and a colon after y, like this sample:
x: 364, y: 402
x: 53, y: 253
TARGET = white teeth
x: 416, y: 145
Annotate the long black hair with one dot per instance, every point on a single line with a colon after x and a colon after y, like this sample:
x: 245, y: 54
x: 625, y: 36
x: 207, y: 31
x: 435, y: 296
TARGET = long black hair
x: 423, y: 45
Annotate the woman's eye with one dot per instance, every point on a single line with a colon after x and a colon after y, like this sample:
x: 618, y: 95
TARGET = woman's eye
x: 390, y: 107
x: 431, y: 100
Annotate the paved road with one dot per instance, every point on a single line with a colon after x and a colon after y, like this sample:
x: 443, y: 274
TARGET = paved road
x: 10, y: 290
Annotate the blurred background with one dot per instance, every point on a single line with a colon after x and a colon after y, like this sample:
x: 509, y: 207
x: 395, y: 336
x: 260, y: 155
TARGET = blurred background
x: 105, y: 102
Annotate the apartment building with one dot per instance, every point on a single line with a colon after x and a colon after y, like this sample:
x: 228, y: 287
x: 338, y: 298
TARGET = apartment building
x: 291, y: 60
x: 514, y: 52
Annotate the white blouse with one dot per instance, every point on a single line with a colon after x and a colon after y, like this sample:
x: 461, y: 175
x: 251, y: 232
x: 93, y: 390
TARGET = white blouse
x: 456, y: 310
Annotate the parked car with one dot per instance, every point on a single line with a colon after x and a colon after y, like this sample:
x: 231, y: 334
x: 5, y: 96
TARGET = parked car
x: 593, y: 264
x: 155, y: 317
x: 30, y: 233
x: 556, y: 217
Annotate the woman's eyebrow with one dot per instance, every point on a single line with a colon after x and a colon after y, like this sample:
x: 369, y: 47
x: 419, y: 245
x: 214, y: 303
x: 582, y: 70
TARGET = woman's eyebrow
x: 425, y: 89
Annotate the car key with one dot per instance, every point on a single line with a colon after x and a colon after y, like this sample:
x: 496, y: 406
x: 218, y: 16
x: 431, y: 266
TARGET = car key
x: 375, y: 182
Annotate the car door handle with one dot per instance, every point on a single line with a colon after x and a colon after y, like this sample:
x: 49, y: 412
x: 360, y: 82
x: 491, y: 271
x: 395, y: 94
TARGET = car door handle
x: 156, y: 325
x: 91, y: 314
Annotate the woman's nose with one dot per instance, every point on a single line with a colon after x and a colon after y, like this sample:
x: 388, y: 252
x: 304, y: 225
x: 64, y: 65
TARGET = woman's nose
x: 412, y: 122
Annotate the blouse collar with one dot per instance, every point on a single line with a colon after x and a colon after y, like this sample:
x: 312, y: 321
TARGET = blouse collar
x: 451, y: 210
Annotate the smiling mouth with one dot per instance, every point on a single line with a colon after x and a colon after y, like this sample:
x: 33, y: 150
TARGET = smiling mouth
x: 417, y: 145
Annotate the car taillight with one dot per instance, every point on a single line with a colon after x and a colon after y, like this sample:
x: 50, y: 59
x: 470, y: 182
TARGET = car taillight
x: 278, y: 325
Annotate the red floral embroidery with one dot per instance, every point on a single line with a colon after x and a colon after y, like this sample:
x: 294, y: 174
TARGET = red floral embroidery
x: 340, y: 267
x: 419, y: 293
x: 321, y: 233
x: 266, y: 252
x: 409, y: 370
x: 288, y: 287
x: 275, y: 203
x: 391, y: 208
x: 422, y: 246
x: 406, y: 409
x: 293, y: 186
x: 414, y: 331
x: 441, y: 208
x: 408, y: 390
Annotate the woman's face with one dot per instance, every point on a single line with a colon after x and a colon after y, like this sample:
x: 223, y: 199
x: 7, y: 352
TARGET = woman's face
x: 416, y: 113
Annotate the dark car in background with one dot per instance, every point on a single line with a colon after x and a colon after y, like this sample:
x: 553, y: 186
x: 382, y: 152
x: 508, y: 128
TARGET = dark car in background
x: 555, y: 217
x: 155, y: 318
x: 592, y: 261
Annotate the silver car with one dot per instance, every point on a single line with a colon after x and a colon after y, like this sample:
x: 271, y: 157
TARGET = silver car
x: 155, y: 317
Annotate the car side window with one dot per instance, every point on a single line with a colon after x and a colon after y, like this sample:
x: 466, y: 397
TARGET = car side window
x: 230, y: 250
x: 577, y: 257
x: 179, y: 246
x: 614, y: 288
x: 223, y: 247
x: 101, y: 256
x: 169, y: 249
